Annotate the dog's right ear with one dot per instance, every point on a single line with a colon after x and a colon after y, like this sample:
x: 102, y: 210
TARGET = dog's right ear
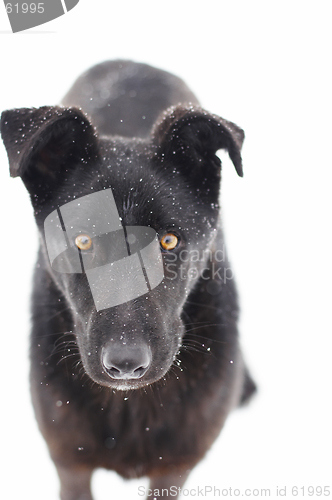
x: 44, y: 144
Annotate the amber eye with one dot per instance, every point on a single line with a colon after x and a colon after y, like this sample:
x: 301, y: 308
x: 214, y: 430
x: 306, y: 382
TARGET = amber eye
x: 169, y: 241
x: 83, y: 241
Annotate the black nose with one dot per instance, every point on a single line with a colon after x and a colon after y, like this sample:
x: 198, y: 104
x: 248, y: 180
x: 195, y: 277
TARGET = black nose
x: 126, y: 362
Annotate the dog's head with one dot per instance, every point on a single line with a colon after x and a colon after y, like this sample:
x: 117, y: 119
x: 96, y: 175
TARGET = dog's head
x: 168, y: 184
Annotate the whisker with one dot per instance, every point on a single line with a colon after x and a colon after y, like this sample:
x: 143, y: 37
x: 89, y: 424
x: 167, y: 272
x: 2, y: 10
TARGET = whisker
x: 68, y: 356
x: 203, y: 326
x: 59, y: 312
x: 52, y: 334
x: 206, y: 339
x: 215, y: 308
x: 197, y: 347
x: 75, y: 365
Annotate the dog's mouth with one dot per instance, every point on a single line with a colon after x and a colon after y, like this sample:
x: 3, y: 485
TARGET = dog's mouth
x: 127, y: 384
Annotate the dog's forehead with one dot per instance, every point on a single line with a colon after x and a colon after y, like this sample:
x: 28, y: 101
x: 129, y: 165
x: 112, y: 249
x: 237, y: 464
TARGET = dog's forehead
x: 125, y: 167
x: 126, y: 163
x: 121, y: 166
x: 145, y: 193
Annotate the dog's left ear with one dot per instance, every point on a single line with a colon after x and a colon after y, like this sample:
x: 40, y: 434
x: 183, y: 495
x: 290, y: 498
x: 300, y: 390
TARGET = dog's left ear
x: 190, y: 138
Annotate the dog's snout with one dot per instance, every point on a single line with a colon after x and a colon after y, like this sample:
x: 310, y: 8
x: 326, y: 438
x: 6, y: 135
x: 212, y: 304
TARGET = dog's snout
x: 126, y: 362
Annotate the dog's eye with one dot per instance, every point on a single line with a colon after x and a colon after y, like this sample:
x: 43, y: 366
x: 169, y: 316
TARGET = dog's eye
x: 83, y: 241
x: 169, y: 241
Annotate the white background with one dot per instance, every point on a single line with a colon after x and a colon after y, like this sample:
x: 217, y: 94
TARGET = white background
x: 267, y: 67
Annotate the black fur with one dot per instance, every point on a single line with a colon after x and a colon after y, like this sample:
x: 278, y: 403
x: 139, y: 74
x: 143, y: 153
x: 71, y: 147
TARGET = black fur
x: 162, y: 168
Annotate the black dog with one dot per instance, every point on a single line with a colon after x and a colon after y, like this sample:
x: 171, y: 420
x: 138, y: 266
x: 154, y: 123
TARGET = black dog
x: 173, y: 349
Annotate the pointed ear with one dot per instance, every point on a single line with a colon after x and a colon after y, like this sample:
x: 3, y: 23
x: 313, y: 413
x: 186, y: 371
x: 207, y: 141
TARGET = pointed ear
x: 191, y: 137
x: 43, y: 144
